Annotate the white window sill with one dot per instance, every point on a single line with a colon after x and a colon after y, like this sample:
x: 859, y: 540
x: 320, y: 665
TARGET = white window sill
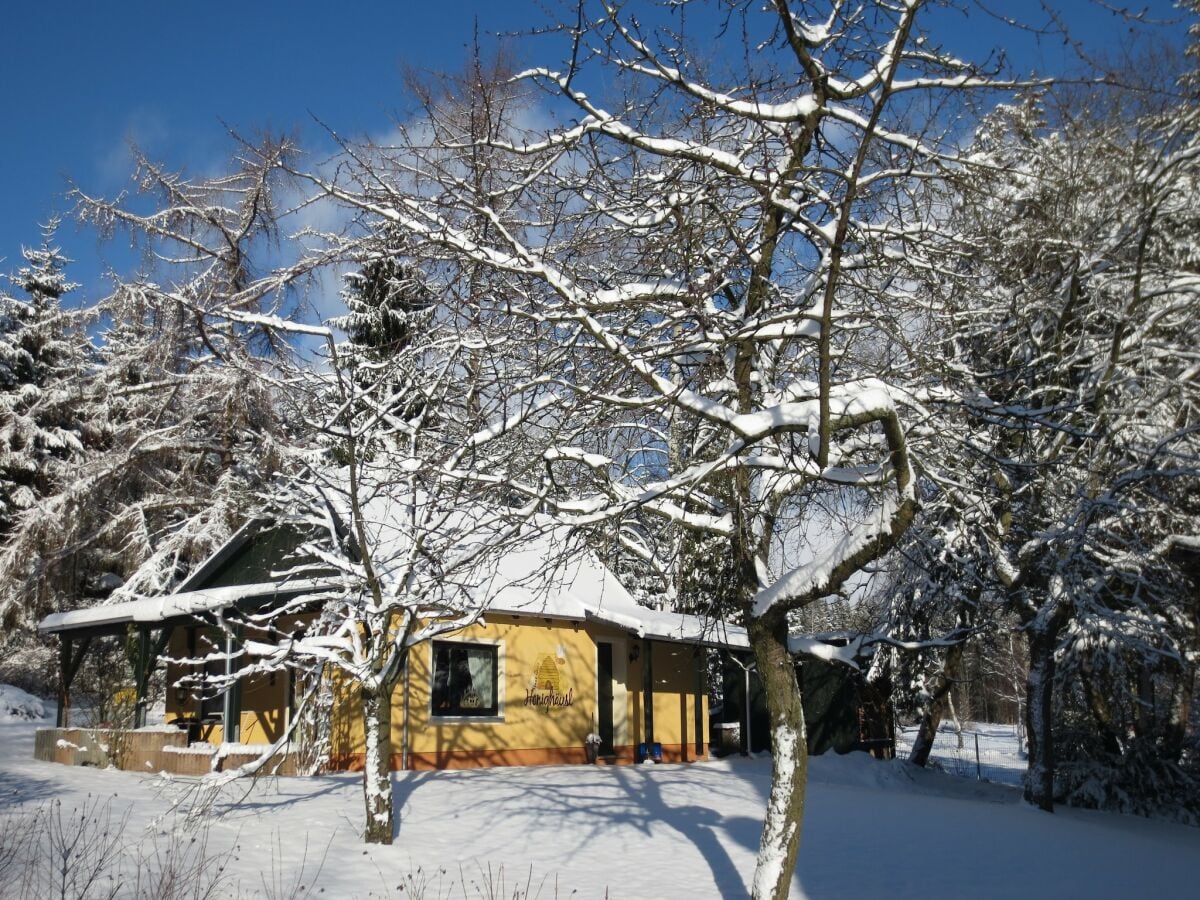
x: 435, y: 719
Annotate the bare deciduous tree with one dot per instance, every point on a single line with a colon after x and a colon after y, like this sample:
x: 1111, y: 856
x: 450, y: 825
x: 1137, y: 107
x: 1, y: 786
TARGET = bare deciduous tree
x: 710, y: 244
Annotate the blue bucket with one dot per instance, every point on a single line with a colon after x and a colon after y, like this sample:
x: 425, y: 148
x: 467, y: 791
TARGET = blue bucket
x: 649, y: 751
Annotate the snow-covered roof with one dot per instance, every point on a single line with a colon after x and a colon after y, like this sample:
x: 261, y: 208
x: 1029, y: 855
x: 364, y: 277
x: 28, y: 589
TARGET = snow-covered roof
x: 547, y: 575
x: 169, y: 606
x: 581, y: 588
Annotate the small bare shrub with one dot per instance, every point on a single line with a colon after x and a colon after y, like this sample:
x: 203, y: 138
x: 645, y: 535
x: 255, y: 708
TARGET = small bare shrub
x: 28, y: 663
x: 15, y: 836
x: 82, y: 853
x: 312, y: 741
x: 72, y: 854
x: 177, y: 865
x: 488, y: 884
x: 298, y: 883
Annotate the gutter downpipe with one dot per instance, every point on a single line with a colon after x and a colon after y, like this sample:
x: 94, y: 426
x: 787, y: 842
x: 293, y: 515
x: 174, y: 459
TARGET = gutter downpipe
x: 749, y: 746
x: 404, y: 737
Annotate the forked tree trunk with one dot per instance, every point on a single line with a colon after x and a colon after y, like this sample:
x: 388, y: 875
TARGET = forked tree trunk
x: 1039, y: 711
x: 935, y: 707
x: 377, y: 775
x: 789, y: 750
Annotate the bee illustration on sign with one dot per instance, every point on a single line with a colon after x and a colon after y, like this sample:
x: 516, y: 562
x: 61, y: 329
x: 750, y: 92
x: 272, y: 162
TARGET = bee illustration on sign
x: 547, y: 688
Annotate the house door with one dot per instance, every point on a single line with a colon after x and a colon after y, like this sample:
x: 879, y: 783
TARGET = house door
x: 604, y: 696
x: 202, y: 645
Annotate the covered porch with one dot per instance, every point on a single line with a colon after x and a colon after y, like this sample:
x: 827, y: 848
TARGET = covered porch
x: 197, y: 636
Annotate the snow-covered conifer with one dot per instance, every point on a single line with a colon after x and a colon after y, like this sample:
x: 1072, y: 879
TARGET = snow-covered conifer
x: 44, y: 358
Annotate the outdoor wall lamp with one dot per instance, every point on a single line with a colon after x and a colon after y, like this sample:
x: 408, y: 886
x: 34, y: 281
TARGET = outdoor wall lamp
x: 635, y: 653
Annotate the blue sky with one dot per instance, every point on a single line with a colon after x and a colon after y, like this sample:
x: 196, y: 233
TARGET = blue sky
x: 79, y: 79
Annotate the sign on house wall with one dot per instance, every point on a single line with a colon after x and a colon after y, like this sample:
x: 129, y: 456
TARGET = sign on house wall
x: 548, y: 688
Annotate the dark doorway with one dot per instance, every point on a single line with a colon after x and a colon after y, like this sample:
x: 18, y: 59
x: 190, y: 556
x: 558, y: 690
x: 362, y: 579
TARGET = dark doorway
x: 604, y: 696
x: 733, y: 677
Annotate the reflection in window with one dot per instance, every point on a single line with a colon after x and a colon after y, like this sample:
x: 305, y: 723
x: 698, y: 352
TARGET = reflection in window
x: 464, y: 679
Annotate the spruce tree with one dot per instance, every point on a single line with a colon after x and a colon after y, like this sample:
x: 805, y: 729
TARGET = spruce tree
x: 44, y: 355
x: 387, y: 301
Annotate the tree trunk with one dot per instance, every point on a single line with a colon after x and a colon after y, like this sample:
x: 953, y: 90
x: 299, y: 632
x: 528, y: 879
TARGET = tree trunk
x: 935, y: 708
x: 1175, y: 738
x: 958, y: 729
x: 1018, y: 696
x: 1039, y: 712
x: 377, y: 775
x: 1098, y: 706
x: 789, y: 768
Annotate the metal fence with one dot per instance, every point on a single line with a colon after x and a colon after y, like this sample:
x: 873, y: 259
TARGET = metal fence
x: 988, y: 752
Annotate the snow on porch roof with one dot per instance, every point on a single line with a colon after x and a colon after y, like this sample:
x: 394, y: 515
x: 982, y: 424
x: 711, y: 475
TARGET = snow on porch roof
x: 521, y: 583
x: 149, y: 610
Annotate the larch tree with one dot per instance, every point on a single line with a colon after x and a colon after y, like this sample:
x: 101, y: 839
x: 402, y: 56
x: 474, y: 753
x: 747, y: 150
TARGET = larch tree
x: 192, y: 432
x: 178, y: 434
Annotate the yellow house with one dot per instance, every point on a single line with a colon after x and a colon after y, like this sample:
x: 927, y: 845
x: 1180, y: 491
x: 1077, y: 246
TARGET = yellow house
x: 563, y: 657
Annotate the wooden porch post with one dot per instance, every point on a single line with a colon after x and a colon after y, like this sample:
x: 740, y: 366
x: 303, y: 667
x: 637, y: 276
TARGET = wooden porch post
x: 141, y: 675
x: 147, y: 659
x: 68, y: 667
x: 64, y: 682
x: 231, y: 713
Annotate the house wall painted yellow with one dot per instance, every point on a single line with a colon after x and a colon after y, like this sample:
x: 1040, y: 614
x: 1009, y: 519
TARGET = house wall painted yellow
x: 520, y: 733
x: 264, y: 701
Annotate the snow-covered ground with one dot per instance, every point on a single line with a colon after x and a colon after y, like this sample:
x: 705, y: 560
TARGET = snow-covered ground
x: 872, y: 829
x: 990, y: 752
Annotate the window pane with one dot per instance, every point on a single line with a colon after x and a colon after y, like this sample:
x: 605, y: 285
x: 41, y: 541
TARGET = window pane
x: 464, y: 679
x: 479, y: 665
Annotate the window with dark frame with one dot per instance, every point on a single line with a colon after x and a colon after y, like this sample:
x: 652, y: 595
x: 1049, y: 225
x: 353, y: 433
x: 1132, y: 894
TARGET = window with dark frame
x: 465, y: 679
